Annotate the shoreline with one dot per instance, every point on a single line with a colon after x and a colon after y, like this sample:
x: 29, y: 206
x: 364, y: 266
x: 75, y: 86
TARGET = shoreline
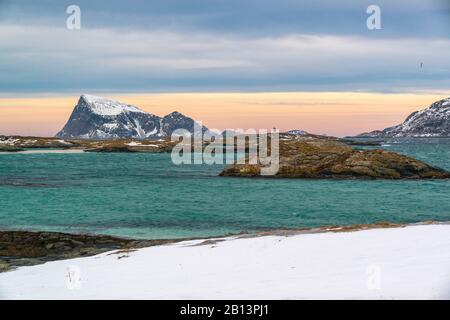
x: 385, y: 262
x: 19, y: 248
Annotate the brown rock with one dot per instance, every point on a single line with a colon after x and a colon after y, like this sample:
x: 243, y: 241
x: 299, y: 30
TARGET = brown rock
x: 320, y: 158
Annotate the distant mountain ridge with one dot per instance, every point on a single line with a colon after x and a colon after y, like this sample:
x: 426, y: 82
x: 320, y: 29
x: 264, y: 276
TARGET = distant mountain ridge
x: 297, y: 132
x: 433, y: 121
x: 100, y: 118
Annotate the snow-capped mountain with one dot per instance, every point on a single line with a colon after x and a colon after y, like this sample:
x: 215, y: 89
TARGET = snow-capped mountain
x: 433, y: 121
x: 100, y: 118
x: 297, y: 132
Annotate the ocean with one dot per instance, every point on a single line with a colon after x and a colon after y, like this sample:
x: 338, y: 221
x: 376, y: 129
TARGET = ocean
x: 144, y: 195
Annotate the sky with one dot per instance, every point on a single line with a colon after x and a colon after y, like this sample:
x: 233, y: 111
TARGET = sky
x: 236, y: 54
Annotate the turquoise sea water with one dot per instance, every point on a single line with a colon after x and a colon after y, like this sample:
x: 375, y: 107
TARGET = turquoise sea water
x: 146, y: 196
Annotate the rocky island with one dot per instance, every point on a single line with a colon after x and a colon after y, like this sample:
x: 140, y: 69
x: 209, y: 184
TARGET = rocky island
x: 325, y: 158
x: 21, y: 144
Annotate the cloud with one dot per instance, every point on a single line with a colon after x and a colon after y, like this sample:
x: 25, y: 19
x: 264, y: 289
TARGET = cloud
x: 401, y: 18
x: 223, y: 45
x: 36, y: 58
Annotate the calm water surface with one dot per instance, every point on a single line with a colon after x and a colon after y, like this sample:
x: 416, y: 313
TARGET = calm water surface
x: 146, y: 196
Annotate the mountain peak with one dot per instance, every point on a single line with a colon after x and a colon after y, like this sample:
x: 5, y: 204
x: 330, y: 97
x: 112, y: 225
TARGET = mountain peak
x: 444, y: 103
x: 433, y: 121
x: 91, y: 98
x: 175, y: 114
x: 106, y: 107
x: 101, y: 118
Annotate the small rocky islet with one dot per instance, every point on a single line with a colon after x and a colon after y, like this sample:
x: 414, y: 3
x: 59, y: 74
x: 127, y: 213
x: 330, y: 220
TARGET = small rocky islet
x: 311, y: 157
x: 316, y: 157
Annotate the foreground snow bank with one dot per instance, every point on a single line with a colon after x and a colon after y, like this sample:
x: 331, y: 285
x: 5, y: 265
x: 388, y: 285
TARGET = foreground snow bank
x: 398, y: 263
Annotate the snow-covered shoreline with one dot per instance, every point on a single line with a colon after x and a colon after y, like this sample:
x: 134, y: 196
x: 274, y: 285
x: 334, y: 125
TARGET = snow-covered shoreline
x: 412, y: 262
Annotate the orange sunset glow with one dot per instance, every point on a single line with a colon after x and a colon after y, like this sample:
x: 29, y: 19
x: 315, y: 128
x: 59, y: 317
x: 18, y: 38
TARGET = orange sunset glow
x: 332, y: 113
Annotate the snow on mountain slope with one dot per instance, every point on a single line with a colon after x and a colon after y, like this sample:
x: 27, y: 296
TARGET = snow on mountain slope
x: 433, y: 121
x: 297, y: 132
x: 107, y: 107
x: 100, y: 118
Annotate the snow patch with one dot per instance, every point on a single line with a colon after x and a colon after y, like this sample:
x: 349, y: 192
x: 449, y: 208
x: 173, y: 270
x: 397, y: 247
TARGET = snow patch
x: 9, y: 141
x: 407, y: 263
x: 138, y: 144
x: 107, y: 107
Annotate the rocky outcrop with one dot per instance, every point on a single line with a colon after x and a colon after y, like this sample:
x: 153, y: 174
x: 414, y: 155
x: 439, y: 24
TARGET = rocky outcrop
x: 314, y: 158
x: 24, y: 248
x: 27, y: 248
x: 19, y: 143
